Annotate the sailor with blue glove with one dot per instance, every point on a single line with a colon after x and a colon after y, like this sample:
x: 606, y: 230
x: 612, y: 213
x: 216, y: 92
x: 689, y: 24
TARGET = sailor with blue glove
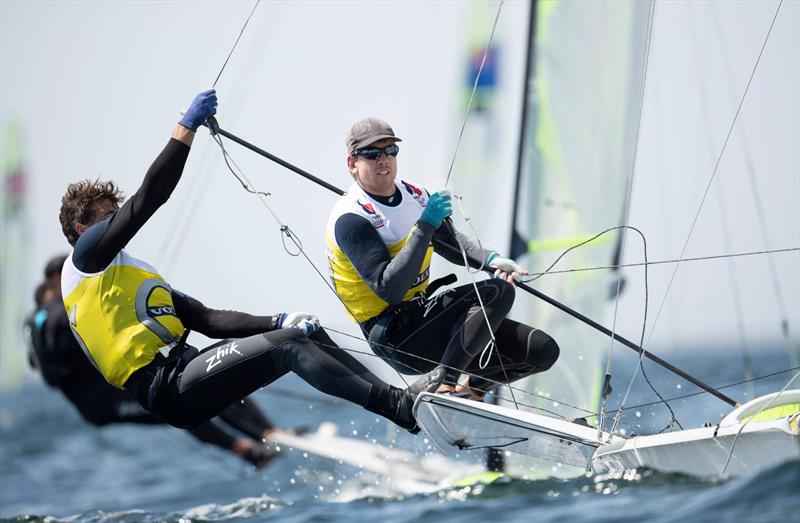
x: 133, y: 325
x: 379, y: 246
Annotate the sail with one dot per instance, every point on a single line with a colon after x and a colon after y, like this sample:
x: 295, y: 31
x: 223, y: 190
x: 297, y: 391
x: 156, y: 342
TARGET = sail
x: 14, y: 246
x: 585, y: 79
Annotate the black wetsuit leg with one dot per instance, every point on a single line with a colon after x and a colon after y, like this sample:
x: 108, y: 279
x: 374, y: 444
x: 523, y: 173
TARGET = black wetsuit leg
x: 521, y: 351
x: 209, y: 432
x: 101, y: 404
x: 245, y: 416
x: 449, y: 328
x: 188, y: 393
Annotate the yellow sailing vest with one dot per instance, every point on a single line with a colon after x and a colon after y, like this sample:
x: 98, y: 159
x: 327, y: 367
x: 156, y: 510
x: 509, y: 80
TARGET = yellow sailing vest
x: 393, y: 225
x: 121, y: 316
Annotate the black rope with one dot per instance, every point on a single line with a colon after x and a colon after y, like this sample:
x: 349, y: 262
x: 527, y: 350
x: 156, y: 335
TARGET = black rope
x: 692, y: 394
x: 235, y: 43
x: 659, y: 262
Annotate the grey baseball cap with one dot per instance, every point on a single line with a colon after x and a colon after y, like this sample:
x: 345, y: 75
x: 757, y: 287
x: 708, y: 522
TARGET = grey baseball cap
x: 368, y: 131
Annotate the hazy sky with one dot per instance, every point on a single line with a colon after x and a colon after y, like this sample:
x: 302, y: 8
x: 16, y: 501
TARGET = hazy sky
x: 98, y: 87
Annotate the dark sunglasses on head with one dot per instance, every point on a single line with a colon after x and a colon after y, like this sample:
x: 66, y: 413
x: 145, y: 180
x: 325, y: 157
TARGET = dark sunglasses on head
x: 373, y: 153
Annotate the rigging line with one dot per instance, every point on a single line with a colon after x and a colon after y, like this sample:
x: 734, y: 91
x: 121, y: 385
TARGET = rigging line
x: 183, y: 220
x: 172, y: 247
x: 640, y: 366
x: 474, y: 89
x: 763, y: 408
x: 537, y: 275
x: 492, y: 345
x: 600, y: 414
x: 434, y: 362
x: 738, y: 306
x: 629, y: 198
x: 700, y: 392
x: 235, y: 43
x: 762, y: 220
x: 311, y: 398
x: 485, y: 391
x: 714, y: 172
x: 486, y: 353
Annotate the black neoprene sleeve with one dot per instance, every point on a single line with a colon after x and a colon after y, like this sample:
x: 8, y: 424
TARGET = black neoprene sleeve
x: 390, y: 278
x: 96, y: 247
x: 216, y: 323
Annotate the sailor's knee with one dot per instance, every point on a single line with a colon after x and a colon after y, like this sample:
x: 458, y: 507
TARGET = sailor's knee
x: 547, y: 354
x: 500, y: 292
x: 282, y: 336
x: 183, y: 418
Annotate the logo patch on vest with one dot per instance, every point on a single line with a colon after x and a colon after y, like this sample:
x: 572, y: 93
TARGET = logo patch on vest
x: 415, y: 192
x: 422, y: 277
x: 376, y: 219
x: 166, y: 310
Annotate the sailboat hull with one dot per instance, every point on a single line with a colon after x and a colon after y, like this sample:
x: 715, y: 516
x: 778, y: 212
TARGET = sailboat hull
x: 704, y: 452
x: 457, y: 425
x: 743, y: 442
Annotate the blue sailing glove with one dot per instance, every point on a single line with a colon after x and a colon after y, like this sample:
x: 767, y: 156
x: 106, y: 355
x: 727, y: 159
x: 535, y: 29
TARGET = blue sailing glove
x: 439, y: 207
x: 203, y: 106
x: 308, y: 323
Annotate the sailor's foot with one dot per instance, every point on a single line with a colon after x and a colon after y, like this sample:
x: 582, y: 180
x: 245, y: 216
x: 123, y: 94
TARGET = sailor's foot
x: 296, y: 431
x: 464, y: 391
x: 426, y: 383
x: 267, y: 435
x: 258, y: 455
x: 444, y: 388
x: 460, y: 390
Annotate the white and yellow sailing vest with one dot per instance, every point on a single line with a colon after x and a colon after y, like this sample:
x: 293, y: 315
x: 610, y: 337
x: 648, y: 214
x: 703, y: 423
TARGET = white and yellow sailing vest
x: 121, y: 316
x: 393, y: 225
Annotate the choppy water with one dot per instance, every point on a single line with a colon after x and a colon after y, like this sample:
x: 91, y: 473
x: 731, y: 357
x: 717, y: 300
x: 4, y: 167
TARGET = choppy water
x: 55, y: 467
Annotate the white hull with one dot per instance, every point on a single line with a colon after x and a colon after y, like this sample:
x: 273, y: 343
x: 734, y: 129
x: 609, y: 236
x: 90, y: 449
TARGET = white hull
x: 457, y: 425
x: 704, y: 452
x: 712, y: 451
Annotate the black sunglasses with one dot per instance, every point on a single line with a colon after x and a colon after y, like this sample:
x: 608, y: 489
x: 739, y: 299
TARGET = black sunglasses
x: 373, y: 153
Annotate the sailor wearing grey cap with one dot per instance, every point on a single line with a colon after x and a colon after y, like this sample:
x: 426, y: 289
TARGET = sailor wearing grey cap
x: 379, y: 247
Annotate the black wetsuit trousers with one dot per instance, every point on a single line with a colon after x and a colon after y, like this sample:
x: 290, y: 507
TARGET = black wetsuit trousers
x: 102, y: 404
x: 200, y: 384
x: 450, y: 328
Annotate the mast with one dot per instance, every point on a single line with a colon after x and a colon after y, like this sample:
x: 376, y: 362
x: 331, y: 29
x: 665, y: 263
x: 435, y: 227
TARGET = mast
x: 517, y: 243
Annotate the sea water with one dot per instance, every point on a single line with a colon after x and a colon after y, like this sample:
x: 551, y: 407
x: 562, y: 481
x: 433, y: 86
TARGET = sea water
x: 55, y: 467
